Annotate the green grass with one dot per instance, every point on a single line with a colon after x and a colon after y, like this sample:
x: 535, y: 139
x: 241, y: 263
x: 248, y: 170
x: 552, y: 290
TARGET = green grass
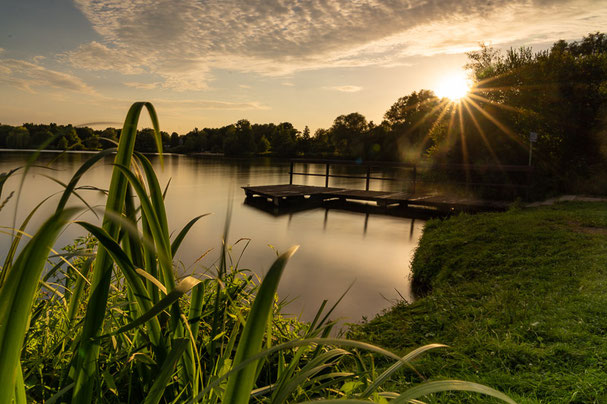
x: 521, y: 298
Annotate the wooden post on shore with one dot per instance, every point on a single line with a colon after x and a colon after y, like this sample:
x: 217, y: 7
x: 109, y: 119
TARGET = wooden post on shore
x: 327, y: 176
x: 368, y: 178
x: 291, y: 174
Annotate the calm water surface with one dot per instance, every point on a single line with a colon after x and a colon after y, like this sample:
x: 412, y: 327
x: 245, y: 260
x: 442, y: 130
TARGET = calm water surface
x: 337, y: 247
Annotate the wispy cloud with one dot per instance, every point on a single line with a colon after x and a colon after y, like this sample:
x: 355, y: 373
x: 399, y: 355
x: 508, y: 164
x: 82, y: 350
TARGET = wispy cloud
x: 30, y: 76
x: 96, y: 56
x: 183, y: 41
x: 208, y: 105
x: 287, y: 84
x: 344, y: 89
x: 142, y: 86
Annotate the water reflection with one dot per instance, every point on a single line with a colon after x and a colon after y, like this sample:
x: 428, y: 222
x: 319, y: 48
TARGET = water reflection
x: 340, y: 242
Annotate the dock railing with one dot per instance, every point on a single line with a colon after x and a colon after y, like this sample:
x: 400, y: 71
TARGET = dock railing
x: 466, y: 175
x: 368, y: 165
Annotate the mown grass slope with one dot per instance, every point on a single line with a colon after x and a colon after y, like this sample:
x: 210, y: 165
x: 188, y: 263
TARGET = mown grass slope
x: 521, y: 298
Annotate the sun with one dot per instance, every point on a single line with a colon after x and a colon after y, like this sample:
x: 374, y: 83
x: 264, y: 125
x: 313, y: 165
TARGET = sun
x: 455, y: 87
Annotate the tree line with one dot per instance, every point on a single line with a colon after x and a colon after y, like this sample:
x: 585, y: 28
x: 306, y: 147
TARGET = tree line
x: 560, y: 94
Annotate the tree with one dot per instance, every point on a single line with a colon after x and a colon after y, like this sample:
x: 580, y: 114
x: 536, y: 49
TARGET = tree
x: 18, y: 138
x: 348, y: 135
x: 174, y: 139
x: 4, y: 131
x: 284, y: 140
x: 559, y: 93
x: 108, y: 133
x: 412, y: 120
x: 245, y: 138
x: 145, y: 141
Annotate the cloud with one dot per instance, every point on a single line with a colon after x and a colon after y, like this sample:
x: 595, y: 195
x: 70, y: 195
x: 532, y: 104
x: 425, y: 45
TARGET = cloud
x: 184, y: 41
x: 142, y: 86
x: 181, y: 105
x: 96, y: 56
x: 287, y: 84
x: 345, y: 89
x: 29, y: 76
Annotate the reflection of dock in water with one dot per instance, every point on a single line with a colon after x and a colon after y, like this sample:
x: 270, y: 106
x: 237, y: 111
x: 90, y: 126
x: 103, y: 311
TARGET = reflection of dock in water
x: 303, y: 197
x: 290, y: 209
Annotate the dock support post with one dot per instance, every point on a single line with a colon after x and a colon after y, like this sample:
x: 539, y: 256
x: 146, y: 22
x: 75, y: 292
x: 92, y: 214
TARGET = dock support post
x: 291, y: 174
x: 414, y: 178
x: 368, y: 177
x: 327, y: 176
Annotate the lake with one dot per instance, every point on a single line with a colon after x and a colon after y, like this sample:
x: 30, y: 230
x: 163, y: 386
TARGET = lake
x: 337, y: 247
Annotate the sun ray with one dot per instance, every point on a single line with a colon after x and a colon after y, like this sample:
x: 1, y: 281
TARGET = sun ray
x: 463, y: 144
x: 443, y: 105
x: 497, y: 104
x: 497, y: 123
x: 451, y: 120
x: 482, y: 134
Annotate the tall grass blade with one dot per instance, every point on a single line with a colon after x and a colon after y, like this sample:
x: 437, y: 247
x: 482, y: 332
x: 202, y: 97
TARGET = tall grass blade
x: 449, y: 385
x: 163, y: 379
x: 16, y: 240
x: 20, y: 396
x: 126, y: 266
x: 179, y: 239
x: 392, y: 369
x: 182, y: 288
x: 57, y: 396
x: 16, y: 297
x: 288, y: 345
x: 156, y: 195
x: 87, y: 354
x: 69, y: 189
x: 159, y: 235
x: 240, y: 384
x: 318, y: 364
x: 30, y: 163
x: 3, y: 178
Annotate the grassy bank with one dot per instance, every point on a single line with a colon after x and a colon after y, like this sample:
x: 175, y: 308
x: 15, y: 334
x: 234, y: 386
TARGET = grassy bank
x: 521, y: 298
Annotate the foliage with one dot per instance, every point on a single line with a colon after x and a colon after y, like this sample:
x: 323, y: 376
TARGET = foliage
x: 558, y: 93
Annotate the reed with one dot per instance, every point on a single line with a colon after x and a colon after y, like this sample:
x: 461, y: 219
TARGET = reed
x: 109, y: 320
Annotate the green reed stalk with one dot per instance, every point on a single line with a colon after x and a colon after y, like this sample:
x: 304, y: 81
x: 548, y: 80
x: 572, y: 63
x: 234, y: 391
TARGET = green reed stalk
x: 240, y: 384
x: 16, y: 298
x: 88, y: 352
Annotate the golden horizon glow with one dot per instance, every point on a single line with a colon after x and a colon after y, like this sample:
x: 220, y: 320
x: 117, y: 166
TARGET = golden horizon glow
x: 455, y: 87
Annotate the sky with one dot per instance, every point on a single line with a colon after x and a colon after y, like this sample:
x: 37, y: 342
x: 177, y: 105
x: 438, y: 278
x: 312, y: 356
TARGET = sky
x: 209, y: 63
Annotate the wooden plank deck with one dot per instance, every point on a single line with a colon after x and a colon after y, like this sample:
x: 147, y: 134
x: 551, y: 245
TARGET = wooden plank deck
x: 279, y: 194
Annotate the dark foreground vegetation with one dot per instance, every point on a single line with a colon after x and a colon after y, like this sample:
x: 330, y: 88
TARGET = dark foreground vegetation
x: 560, y: 94
x: 109, y: 320
x: 521, y: 298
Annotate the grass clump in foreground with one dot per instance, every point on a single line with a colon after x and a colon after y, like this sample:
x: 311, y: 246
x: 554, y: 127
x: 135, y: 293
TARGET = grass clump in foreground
x: 109, y: 320
x: 521, y: 298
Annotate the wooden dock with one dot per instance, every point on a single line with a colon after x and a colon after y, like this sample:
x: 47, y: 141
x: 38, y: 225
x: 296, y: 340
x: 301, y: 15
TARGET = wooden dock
x: 279, y: 195
x: 303, y: 196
